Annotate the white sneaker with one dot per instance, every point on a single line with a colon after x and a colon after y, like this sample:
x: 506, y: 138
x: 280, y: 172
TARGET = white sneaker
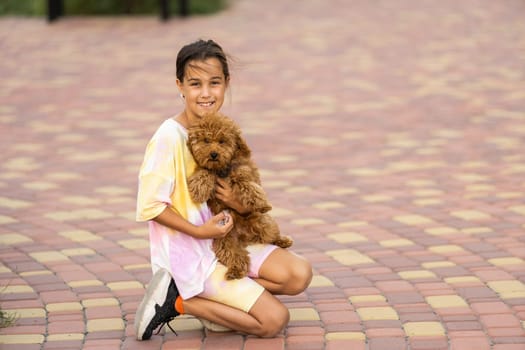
x: 158, y: 305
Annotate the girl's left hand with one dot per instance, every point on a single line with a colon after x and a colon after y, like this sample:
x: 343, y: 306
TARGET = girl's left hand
x: 224, y: 193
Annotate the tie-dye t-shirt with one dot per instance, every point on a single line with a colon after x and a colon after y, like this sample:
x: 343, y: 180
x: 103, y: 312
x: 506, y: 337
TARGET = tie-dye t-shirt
x: 162, y: 183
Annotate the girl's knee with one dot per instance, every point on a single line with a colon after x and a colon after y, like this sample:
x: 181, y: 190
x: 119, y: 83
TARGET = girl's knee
x: 275, y: 325
x: 301, y: 276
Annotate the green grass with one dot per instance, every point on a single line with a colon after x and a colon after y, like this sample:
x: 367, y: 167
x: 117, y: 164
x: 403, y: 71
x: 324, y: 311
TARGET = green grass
x: 6, y: 319
x: 106, y: 7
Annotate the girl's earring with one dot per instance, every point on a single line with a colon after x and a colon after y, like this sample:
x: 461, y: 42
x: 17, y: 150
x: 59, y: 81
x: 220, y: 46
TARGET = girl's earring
x: 182, y: 96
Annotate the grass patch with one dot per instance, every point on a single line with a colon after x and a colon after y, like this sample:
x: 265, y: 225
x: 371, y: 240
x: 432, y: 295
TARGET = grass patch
x: 6, y: 320
x: 107, y: 7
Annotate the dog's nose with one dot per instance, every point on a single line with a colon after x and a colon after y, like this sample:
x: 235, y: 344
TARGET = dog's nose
x: 214, y: 155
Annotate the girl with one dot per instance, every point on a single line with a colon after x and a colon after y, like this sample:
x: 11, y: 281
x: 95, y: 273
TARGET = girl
x: 187, y: 277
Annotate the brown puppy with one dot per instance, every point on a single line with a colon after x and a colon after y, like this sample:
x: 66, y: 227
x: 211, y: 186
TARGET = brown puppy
x: 220, y: 150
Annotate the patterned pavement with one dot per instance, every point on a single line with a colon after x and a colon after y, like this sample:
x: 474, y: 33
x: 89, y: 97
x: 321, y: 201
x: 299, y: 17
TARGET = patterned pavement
x: 390, y: 135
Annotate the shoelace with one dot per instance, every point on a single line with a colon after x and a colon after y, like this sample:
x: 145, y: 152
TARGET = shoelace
x: 166, y: 323
x: 165, y: 316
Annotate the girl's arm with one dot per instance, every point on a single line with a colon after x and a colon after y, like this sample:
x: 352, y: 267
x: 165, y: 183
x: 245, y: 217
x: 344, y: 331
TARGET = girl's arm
x: 218, y: 226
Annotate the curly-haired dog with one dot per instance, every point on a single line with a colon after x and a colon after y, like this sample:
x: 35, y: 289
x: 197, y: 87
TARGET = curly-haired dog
x: 220, y: 150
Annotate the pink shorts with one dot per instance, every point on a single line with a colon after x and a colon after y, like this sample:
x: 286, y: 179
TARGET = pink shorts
x: 258, y: 254
x: 240, y: 293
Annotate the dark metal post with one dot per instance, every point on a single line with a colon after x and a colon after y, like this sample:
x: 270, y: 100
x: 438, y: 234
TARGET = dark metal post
x: 55, y: 9
x: 164, y: 10
x: 184, y: 8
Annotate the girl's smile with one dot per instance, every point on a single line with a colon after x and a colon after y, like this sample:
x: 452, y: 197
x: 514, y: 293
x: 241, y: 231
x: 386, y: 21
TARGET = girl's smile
x: 206, y: 104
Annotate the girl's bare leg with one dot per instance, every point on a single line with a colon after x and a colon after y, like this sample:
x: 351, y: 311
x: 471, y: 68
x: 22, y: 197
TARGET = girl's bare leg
x: 284, y: 272
x: 267, y: 317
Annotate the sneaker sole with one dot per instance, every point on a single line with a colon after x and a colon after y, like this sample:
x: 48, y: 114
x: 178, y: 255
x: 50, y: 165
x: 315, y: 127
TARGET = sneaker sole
x: 156, y: 293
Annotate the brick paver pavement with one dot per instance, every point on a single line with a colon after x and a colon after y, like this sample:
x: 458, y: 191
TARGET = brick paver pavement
x: 391, y: 139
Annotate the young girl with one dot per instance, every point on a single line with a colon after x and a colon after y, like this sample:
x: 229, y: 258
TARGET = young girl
x: 187, y: 276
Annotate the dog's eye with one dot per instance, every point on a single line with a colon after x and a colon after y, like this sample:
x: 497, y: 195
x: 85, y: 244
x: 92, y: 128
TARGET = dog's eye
x: 221, y: 141
x: 207, y: 140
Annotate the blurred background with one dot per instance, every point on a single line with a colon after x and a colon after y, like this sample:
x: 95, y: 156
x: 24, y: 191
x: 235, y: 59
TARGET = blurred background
x: 389, y: 134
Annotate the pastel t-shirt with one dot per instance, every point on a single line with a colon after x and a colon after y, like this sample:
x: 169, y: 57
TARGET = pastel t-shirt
x: 162, y: 183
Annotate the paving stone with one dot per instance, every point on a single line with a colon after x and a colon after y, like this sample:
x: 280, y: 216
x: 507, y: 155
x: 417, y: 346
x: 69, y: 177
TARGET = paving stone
x: 508, y: 340
x: 21, y: 338
x: 320, y: 281
x: 394, y: 286
x: 413, y: 220
x: 387, y: 343
x: 508, y: 289
x: 446, y: 301
x: 416, y: 274
x: 62, y: 344
x: 51, y: 287
x: 381, y: 277
x: 58, y: 307
x: 417, y: 317
x: 398, y: 261
x: 401, y: 298
x: 347, y: 237
x: 377, y: 313
x: 490, y: 308
x: 463, y: 326
x: 517, y: 332
x: 262, y: 344
x: 463, y: 316
x: 463, y: 280
x: 499, y: 321
x: 507, y: 346
x: 385, y: 333
x: 305, y: 331
x: 14, y: 239
x: 174, y: 344
x: 393, y: 160
x: 69, y: 327
x: 303, y: 314
x: 447, y: 249
x: 345, y: 336
x: 98, y: 302
x: 103, y: 312
x: 343, y: 327
x: 415, y: 329
x: 310, y: 345
x: 102, y: 343
x: 16, y: 289
x: 104, y: 324
x: 345, y: 344
x: 429, y: 343
x: 350, y: 257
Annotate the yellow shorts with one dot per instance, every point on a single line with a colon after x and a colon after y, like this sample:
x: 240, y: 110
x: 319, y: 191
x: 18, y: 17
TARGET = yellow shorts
x: 240, y: 293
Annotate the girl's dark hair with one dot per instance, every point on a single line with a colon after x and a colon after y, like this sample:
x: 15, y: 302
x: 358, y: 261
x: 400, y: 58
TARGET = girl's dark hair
x: 201, y: 50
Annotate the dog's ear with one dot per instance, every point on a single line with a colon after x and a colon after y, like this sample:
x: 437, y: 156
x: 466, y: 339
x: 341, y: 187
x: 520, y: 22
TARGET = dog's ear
x: 242, y: 147
x: 193, y: 137
x: 190, y: 141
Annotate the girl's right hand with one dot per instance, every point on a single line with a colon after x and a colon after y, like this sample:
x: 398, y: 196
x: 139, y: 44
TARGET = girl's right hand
x: 218, y: 226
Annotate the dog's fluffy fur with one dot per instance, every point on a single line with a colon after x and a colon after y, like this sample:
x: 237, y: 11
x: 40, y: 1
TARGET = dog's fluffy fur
x: 220, y: 150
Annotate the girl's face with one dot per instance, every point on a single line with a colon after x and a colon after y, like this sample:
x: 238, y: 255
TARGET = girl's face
x: 203, y: 88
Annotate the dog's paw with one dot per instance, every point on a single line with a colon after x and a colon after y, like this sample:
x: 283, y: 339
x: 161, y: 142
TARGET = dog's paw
x: 196, y: 193
x: 201, y: 186
x: 284, y: 242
